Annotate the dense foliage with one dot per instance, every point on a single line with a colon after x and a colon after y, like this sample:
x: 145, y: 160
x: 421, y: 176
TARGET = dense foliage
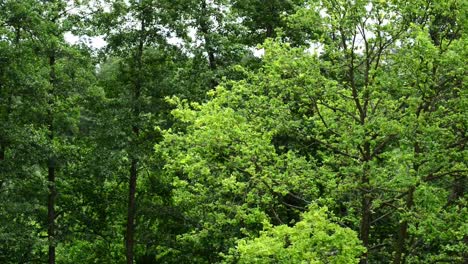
x: 234, y: 131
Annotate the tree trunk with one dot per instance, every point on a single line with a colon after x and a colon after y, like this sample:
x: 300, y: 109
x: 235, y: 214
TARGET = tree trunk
x: 204, y: 28
x: 366, y: 199
x: 51, y: 213
x: 209, y: 45
x: 400, y: 245
x: 365, y: 225
x: 131, y: 209
x: 51, y: 170
x: 129, y: 243
x: 2, y: 153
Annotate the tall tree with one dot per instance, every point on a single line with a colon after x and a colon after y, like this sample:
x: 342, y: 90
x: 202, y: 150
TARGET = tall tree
x: 364, y: 46
x: 45, y: 89
x: 355, y: 111
x: 20, y: 186
x: 141, y: 74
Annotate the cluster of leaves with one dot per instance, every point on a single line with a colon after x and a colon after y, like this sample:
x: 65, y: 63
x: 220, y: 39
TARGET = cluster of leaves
x: 313, y: 240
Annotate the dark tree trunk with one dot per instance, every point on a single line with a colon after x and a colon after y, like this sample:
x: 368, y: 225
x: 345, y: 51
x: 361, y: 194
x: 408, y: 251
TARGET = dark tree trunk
x: 400, y: 245
x: 51, y: 213
x: 51, y: 170
x: 209, y: 45
x: 129, y: 243
x: 366, y: 201
x: 364, y: 230
x: 131, y: 209
x: 205, y: 29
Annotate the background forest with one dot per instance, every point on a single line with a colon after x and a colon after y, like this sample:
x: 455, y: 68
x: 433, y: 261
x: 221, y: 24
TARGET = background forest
x: 234, y: 131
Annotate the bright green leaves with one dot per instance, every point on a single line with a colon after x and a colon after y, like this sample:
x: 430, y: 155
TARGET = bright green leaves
x: 363, y: 127
x: 231, y: 167
x: 314, y: 239
x: 231, y: 151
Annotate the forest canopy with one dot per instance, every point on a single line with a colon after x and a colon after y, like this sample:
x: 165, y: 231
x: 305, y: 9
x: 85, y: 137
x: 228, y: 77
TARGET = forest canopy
x: 233, y: 131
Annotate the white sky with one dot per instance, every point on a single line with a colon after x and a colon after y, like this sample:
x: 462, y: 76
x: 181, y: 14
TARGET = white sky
x: 98, y: 42
x: 93, y: 42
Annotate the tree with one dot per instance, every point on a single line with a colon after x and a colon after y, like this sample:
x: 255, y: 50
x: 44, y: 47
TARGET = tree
x: 22, y: 208
x: 354, y: 112
x: 229, y: 147
x: 139, y: 71
x: 41, y: 116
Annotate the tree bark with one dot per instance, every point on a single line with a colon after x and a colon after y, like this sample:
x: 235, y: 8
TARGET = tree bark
x: 204, y: 28
x: 400, y: 245
x: 364, y: 230
x: 131, y: 209
x: 129, y: 243
x: 366, y: 202
x: 51, y: 213
x: 51, y: 169
x: 203, y: 22
x: 2, y: 153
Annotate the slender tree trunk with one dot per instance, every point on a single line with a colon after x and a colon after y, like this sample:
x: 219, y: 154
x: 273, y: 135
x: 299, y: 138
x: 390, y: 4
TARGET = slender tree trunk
x: 400, y: 245
x: 51, y: 170
x: 366, y: 201
x: 2, y: 149
x: 2, y: 157
x: 205, y: 29
x: 51, y: 213
x: 364, y: 230
x: 129, y: 243
x: 209, y: 45
x: 366, y: 156
x: 2, y: 153
x: 131, y: 209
